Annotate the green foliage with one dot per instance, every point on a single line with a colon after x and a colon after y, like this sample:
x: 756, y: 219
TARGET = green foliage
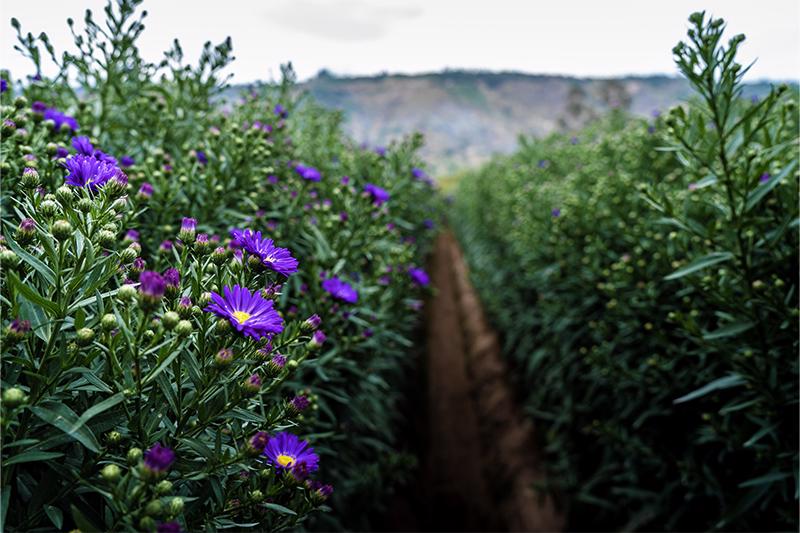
x: 104, y: 372
x: 652, y: 315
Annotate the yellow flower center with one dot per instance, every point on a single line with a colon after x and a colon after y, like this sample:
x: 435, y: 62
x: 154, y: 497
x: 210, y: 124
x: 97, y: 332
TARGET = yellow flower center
x: 241, y: 317
x: 285, y: 460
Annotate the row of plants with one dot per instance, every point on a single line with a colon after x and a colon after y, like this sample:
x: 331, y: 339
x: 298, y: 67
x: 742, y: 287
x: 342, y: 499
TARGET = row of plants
x: 644, y: 275
x: 207, y: 305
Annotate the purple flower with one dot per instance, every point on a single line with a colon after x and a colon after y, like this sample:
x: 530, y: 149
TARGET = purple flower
x: 428, y: 223
x: 556, y: 212
x: 61, y: 152
x: 86, y: 171
x: 224, y: 357
x: 152, y: 285
x: 272, y: 179
x: 20, y: 327
x: 170, y: 527
x: 277, y: 363
x: 60, y: 119
x: 379, y: 195
x: 259, y: 441
x: 313, y: 322
x: 299, y: 403
x: 188, y: 228
x: 145, y: 190
x: 368, y: 333
x: 765, y: 177
x: 132, y: 235
x: 308, y: 173
x: 343, y: 216
x: 201, y: 157
x: 574, y: 140
x: 82, y: 145
x: 280, y: 111
x: 38, y: 107
x: 319, y: 337
x: 3, y: 85
x: 285, y: 451
x: 418, y: 173
x: 252, y: 384
x: 278, y: 259
x: 345, y: 180
x: 126, y: 161
x: 172, y: 279
x: 380, y: 150
x: 340, y: 290
x: 158, y: 458
x: 248, y: 312
x: 165, y: 246
x: 419, y: 276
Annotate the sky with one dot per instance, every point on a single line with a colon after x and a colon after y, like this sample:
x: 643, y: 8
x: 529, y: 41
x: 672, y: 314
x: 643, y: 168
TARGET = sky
x: 586, y: 38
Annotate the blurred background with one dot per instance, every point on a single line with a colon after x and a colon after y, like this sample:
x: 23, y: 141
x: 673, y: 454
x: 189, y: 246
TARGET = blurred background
x: 470, y: 75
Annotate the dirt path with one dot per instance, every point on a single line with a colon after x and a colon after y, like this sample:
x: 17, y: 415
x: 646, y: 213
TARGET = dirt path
x: 480, y: 466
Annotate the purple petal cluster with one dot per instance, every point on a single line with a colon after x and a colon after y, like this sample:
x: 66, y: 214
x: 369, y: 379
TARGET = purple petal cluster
x: 89, y: 172
x: 379, y: 195
x: 340, y: 290
x: 308, y: 173
x: 286, y: 451
x: 248, y: 312
x: 273, y: 257
x: 159, y: 458
x: 419, y: 276
x: 60, y: 118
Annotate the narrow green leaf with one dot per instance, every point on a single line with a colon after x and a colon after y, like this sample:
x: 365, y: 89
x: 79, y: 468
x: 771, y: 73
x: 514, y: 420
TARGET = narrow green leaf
x: 30, y: 293
x: 757, y: 194
x: 280, y: 508
x: 728, y: 330
x: 32, y: 456
x: 55, y: 515
x: 733, y: 380
x: 770, y: 478
x: 700, y: 263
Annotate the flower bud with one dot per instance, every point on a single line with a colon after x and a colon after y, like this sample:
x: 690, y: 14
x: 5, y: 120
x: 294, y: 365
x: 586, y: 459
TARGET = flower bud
x: 163, y: 487
x: 108, y: 322
x: 8, y: 258
x: 170, y: 320
x: 48, y: 208
x: 127, y: 293
x: 252, y: 385
x: 154, y: 508
x: 120, y: 204
x: 188, y: 229
x: 106, y: 238
x: 185, y: 307
x: 111, y: 473
x: 224, y: 357
x: 175, y: 506
x: 223, y: 326
x: 147, y: 524
x: 145, y: 192
x: 13, y: 397
x: 30, y: 178
x: 275, y: 365
x: 26, y: 231
x: 205, y: 299
x: 134, y: 456
x: 61, y: 229
x: 317, y: 340
x: 114, y: 437
x: 184, y: 328
x: 312, y: 323
x: 127, y: 255
x: 257, y: 496
x: 85, y: 336
x: 84, y: 205
x: 219, y: 255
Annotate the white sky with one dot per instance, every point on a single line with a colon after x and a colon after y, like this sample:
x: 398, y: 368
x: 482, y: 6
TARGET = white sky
x: 576, y: 37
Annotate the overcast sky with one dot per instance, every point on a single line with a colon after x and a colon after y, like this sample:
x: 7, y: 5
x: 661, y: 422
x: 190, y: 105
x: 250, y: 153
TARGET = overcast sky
x: 583, y: 38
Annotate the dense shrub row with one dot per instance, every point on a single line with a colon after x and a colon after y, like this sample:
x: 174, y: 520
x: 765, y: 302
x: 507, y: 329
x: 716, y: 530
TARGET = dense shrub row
x: 644, y: 276
x: 170, y: 263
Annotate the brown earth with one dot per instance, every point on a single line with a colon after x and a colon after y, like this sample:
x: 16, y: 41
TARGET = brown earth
x: 480, y: 466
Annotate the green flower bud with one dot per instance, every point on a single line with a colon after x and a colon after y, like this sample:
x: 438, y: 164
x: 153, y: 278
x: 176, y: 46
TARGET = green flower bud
x: 127, y: 292
x: 163, y: 487
x: 85, y: 336
x: 205, y: 299
x: 84, y: 205
x: 147, y: 523
x: 134, y: 456
x: 106, y: 239
x: 65, y: 194
x: 154, y: 508
x: 114, y: 437
x: 111, y: 473
x: 13, y: 397
x: 20, y: 102
x: 30, y: 178
x: 120, y: 204
x: 223, y: 326
x: 175, y: 506
x: 8, y: 258
x: 170, y: 320
x: 184, y: 328
x: 257, y: 496
x: 48, y: 208
x: 61, y: 229
x: 128, y: 255
x: 108, y: 322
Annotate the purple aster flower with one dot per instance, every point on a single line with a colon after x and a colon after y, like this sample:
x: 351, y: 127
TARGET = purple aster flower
x: 285, y: 450
x: 252, y: 384
x: 308, y: 173
x: 19, y: 327
x: 145, y: 191
x: 168, y: 527
x: 60, y: 119
x: 165, y: 246
x: 556, y: 212
x: 418, y: 173
x: 61, y: 153
x: 38, y: 107
x: 428, y: 223
x: 343, y: 216
x: 419, y: 276
x: 574, y: 140
x: 259, y: 441
x: 137, y: 265
x: 158, y: 458
x: 368, y: 333
x: 224, y: 357
x: 384, y: 280
x: 188, y: 228
x: 276, y: 364
x: 132, y: 235
x: 313, y: 322
x: 277, y: 259
x: 345, y: 180
x: 380, y: 150
x: 248, y: 312
x: 152, y: 286
x: 340, y: 290
x: 299, y: 403
x: 318, y: 338
x: 172, y: 279
x: 321, y: 492
x: 272, y: 179
x: 201, y: 157
x: 765, y: 177
x: 3, y: 85
x: 126, y: 161
x: 82, y: 145
x: 280, y: 111
x: 86, y: 171
x: 379, y: 195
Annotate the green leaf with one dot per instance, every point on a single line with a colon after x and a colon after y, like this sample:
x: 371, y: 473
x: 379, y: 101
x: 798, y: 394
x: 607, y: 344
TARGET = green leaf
x: 733, y: 380
x: 280, y: 508
x: 108, y: 403
x: 30, y: 293
x: 32, y: 456
x: 37, y: 265
x: 63, y: 418
x: 757, y: 194
x: 55, y: 515
x: 5, y: 496
x: 81, y: 521
x: 728, y: 330
x: 770, y: 478
x: 700, y: 263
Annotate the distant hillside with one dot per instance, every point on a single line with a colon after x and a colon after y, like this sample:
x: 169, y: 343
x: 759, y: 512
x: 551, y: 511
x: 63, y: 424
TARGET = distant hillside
x: 468, y: 116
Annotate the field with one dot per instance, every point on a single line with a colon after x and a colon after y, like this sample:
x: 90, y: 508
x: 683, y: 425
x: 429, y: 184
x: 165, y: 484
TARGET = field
x: 219, y: 311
